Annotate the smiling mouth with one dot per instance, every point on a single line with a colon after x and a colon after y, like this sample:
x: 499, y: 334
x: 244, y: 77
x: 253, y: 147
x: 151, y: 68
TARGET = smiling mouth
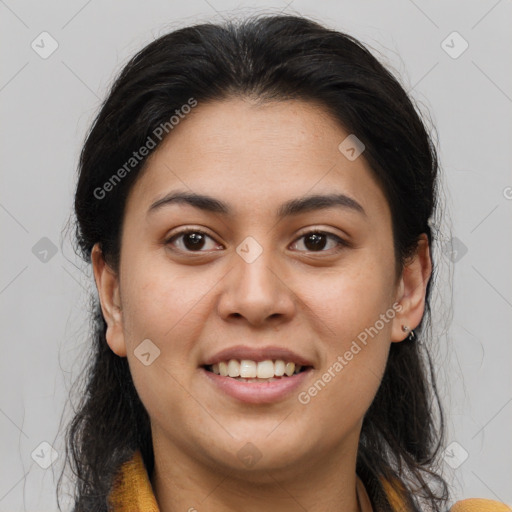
x: 256, y: 372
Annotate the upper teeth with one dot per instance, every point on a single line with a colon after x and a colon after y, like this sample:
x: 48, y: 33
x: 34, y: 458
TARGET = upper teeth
x: 251, y: 369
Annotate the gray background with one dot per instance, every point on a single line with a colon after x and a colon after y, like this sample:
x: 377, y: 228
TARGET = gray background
x: 48, y: 104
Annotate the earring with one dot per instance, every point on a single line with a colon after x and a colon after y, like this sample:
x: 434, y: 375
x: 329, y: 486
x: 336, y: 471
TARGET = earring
x: 412, y: 334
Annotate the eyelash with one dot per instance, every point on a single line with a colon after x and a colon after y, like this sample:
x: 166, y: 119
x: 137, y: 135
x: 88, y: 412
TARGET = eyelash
x: 340, y: 243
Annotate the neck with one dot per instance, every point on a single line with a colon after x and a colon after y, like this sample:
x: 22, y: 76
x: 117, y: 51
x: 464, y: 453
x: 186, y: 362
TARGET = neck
x: 322, y: 482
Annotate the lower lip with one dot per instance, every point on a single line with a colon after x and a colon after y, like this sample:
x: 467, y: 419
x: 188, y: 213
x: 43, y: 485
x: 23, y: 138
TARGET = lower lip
x: 254, y: 392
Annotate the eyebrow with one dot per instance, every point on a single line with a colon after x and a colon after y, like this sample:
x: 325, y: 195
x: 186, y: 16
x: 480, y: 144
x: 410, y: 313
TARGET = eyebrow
x: 287, y: 209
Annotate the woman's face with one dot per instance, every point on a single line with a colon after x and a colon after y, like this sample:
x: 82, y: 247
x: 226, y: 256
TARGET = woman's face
x: 257, y: 285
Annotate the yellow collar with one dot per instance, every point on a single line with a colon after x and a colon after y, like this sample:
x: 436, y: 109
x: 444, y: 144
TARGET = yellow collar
x: 132, y: 492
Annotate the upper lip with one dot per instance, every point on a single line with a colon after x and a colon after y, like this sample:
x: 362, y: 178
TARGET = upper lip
x: 240, y: 352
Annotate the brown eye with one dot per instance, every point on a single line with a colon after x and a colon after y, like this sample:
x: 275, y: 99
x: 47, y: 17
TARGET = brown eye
x: 316, y: 241
x: 192, y: 240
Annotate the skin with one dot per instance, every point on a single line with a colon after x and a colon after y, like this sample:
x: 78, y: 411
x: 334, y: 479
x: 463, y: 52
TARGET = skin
x: 254, y: 157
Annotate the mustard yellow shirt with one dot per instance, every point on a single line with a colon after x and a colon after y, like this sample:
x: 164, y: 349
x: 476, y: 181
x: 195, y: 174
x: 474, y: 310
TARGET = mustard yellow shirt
x: 132, y: 492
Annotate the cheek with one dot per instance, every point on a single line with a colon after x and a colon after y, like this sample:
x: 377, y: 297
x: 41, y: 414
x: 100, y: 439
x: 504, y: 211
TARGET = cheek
x: 169, y: 305
x: 169, y: 308
x: 344, y: 387
x: 351, y: 299
x: 354, y: 315
x: 160, y: 301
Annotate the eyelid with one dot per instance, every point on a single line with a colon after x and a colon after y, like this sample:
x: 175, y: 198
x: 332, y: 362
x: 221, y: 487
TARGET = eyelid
x: 341, y: 242
x: 185, y: 231
x: 325, y: 231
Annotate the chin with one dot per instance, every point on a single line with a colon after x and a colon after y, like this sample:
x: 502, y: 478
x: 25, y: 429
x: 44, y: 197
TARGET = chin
x: 257, y: 451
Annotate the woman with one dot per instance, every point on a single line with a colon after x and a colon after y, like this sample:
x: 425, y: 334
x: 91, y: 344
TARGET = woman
x: 255, y: 200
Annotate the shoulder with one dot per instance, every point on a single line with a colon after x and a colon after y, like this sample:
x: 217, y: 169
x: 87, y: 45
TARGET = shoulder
x: 480, y: 505
x: 398, y: 499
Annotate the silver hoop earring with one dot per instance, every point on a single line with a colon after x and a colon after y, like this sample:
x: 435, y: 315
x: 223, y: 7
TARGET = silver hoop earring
x: 412, y: 334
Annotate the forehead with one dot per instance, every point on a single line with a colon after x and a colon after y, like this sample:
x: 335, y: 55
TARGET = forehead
x: 257, y: 155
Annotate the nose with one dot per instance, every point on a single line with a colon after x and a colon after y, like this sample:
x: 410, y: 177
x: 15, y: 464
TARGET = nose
x: 257, y: 291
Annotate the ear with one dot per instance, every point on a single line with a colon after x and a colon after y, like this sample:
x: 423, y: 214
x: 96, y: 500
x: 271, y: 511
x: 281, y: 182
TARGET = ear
x: 411, y: 290
x: 107, y: 283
